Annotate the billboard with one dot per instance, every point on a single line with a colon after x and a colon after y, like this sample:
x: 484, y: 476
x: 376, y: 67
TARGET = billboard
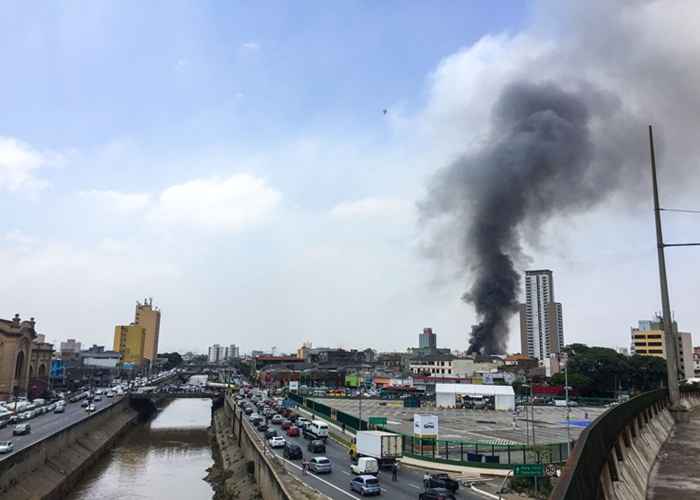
x: 293, y: 385
x: 100, y: 362
x: 425, y: 425
x: 56, y: 368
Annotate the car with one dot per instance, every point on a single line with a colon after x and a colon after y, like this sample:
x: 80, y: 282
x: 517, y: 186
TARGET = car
x: 277, y: 419
x: 109, y: 394
x: 262, y: 426
x: 59, y: 409
x: 292, y: 451
x: 6, y: 447
x: 85, y: 404
x: 285, y: 424
x: 441, y: 480
x: 3, y: 423
x: 21, y: 429
x: 365, y: 466
x: 366, y: 485
x: 90, y: 408
x: 97, y: 398
x: 277, y: 442
x: 317, y: 446
x: 436, y: 494
x: 293, y: 431
x: 270, y: 433
x: 320, y: 465
x: 302, y: 422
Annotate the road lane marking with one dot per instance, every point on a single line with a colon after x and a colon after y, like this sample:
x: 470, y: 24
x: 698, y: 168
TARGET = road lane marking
x: 322, y: 480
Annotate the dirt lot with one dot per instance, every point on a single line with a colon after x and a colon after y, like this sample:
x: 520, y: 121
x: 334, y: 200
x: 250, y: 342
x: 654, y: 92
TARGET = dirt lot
x: 488, y: 426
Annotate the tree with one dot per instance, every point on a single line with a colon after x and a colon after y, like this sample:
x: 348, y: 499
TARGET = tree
x: 173, y: 359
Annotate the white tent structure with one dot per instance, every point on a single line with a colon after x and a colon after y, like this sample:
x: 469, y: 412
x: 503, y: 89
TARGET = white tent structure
x: 446, y: 394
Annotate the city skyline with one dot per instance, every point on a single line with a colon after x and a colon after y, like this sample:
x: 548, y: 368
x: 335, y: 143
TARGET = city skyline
x: 268, y: 147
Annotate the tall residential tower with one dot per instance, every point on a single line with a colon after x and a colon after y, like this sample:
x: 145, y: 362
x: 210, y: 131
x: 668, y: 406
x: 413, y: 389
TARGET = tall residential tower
x: 541, y: 325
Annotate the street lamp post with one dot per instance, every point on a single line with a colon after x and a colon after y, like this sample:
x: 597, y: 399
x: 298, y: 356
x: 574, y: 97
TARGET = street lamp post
x: 568, y: 410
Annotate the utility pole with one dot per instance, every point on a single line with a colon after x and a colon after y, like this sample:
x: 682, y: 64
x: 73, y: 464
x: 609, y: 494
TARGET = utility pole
x: 669, y: 335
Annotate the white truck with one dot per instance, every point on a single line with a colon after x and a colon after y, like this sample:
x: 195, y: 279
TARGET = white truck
x: 386, y: 447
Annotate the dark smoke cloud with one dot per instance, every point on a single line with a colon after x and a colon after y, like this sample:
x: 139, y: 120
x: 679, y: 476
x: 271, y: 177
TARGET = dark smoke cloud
x: 538, y: 161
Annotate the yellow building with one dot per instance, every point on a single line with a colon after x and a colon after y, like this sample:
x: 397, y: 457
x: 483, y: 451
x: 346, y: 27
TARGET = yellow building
x: 648, y: 340
x: 130, y: 342
x: 149, y: 319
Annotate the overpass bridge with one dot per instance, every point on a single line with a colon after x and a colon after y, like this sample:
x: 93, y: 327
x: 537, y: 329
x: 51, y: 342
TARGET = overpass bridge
x: 146, y: 403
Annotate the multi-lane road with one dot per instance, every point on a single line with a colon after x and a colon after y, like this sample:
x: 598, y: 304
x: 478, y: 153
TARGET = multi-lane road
x: 336, y: 485
x: 48, y: 423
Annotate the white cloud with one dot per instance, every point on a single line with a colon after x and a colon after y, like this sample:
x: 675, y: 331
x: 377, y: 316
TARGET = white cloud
x: 19, y: 163
x: 114, y: 201
x: 370, y: 207
x: 231, y: 203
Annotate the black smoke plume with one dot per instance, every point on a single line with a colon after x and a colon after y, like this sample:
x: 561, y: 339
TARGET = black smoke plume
x: 537, y: 161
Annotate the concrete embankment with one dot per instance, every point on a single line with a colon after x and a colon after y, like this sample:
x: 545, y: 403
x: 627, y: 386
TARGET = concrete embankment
x: 237, y: 440
x: 50, y: 468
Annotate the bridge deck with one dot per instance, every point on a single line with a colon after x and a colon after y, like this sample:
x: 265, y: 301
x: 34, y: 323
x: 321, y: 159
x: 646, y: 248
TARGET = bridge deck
x: 676, y: 474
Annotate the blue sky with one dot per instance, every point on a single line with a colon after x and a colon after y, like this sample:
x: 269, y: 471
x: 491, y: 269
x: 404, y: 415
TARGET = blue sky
x: 232, y: 160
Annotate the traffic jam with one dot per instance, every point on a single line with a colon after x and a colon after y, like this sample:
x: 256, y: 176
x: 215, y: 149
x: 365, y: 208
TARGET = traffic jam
x: 370, y: 463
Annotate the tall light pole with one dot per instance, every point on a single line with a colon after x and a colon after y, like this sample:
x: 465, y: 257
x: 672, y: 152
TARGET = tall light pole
x: 568, y: 411
x: 669, y: 334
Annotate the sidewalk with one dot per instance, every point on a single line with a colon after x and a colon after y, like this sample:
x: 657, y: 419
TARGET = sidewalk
x: 676, y: 474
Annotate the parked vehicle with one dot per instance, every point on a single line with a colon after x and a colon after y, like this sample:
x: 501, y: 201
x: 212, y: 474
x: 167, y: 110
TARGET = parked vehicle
x: 366, y: 485
x: 386, y: 447
x: 277, y: 442
x: 441, y: 480
x: 21, y: 429
x: 292, y: 451
x: 317, y: 446
x: 316, y: 430
x: 365, y: 465
x: 436, y: 494
x: 6, y: 447
x: 320, y: 465
x: 293, y: 431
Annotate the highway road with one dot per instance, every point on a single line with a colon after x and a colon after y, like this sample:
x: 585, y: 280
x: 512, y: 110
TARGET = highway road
x: 336, y: 485
x: 48, y: 423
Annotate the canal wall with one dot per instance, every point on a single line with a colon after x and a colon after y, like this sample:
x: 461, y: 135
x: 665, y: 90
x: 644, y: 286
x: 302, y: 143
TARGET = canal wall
x: 48, y: 469
x: 271, y: 476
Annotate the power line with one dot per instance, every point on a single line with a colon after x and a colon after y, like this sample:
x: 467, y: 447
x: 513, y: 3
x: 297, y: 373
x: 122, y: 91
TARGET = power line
x: 680, y: 210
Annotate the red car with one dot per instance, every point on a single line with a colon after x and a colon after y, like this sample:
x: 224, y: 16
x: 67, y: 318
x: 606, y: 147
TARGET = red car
x: 293, y: 431
x: 286, y: 425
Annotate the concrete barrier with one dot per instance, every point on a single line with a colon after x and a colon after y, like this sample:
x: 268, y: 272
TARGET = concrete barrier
x: 270, y: 475
x: 49, y: 468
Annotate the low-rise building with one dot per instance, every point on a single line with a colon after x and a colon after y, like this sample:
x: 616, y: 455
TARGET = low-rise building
x: 16, y: 344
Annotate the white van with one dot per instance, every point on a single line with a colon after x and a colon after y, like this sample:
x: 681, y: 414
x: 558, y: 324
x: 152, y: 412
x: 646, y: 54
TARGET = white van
x: 365, y: 465
x: 317, y: 429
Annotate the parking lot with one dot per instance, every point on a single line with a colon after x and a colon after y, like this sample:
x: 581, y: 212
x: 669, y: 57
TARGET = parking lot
x: 483, y: 426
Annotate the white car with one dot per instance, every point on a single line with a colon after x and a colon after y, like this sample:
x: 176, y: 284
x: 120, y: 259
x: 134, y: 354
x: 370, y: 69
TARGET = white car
x: 277, y: 442
x: 6, y: 447
x: 90, y: 408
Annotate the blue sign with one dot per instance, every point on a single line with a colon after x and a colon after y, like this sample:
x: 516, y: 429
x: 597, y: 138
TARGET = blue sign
x: 56, y: 368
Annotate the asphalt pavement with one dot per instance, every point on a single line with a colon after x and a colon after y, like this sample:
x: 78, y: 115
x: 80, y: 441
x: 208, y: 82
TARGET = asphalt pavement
x: 336, y: 485
x: 48, y: 423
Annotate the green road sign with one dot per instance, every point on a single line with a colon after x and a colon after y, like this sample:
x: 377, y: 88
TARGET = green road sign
x: 377, y: 421
x: 529, y: 470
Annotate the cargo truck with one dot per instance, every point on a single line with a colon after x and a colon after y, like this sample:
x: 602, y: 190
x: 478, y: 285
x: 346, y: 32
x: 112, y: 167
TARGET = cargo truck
x: 386, y: 447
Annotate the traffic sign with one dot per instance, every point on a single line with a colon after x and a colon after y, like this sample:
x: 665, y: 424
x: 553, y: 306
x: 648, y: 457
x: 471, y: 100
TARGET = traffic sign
x: 377, y: 421
x: 528, y: 470
x: 550, y: 470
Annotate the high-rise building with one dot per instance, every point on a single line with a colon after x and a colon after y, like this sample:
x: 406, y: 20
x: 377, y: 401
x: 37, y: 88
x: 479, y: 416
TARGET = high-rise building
x: 70, y: 346
x: 149, y: 317
x: 427, y: 339
x: 648, y: 340
x: 541, y: 323
x: 130, y: 342
x: 219, y: 353
x: 232, y: 352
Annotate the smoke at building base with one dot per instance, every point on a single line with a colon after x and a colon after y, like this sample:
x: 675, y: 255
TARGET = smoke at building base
x: 539, y: 161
